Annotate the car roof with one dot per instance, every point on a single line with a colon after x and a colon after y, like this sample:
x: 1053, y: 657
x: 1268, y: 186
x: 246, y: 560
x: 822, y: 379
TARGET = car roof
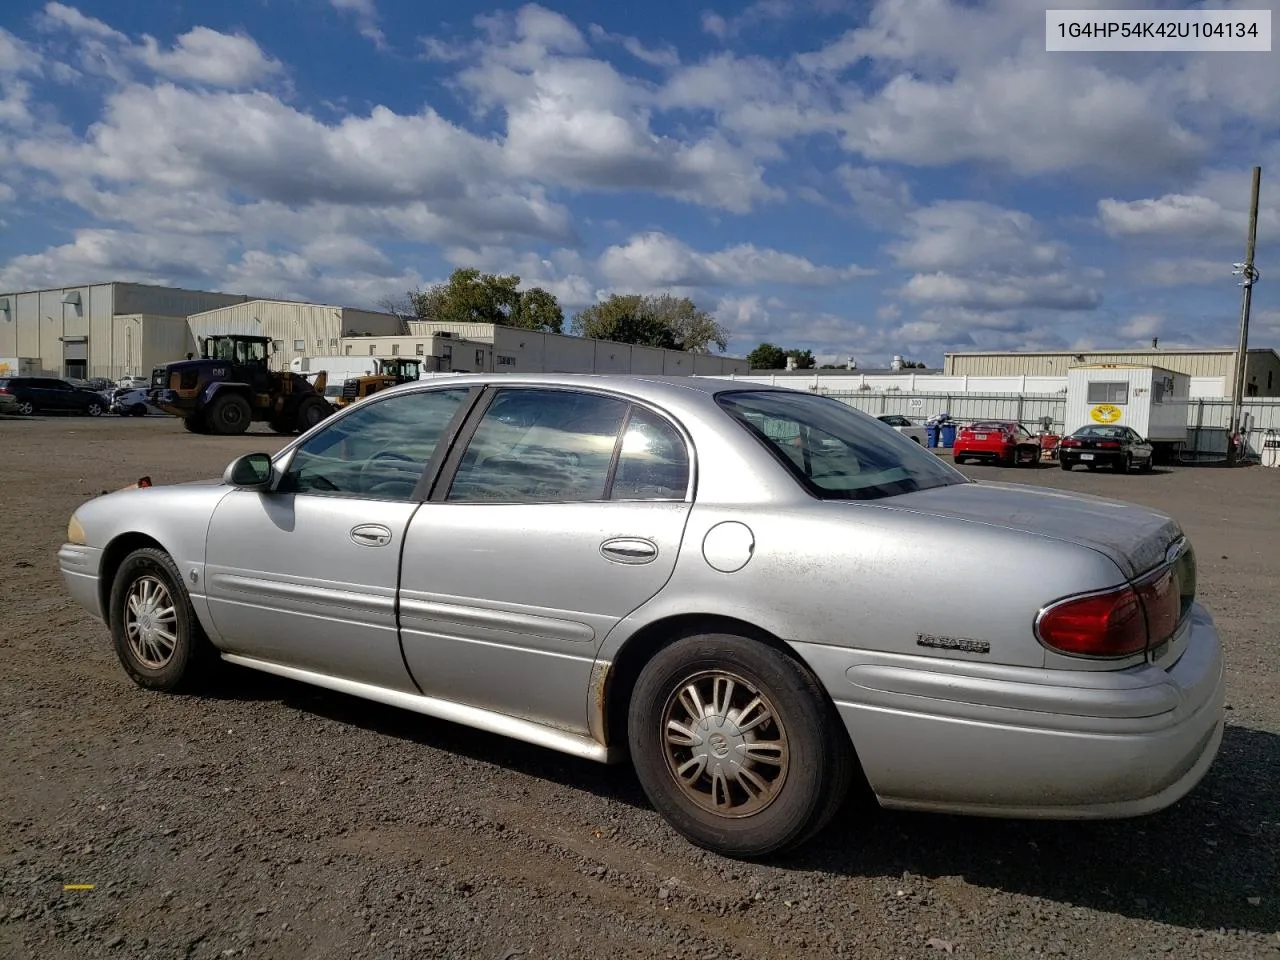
x: 654, y: 387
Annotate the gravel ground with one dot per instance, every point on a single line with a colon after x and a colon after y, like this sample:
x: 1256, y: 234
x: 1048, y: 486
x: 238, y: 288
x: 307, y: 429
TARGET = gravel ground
x: 276, y: 820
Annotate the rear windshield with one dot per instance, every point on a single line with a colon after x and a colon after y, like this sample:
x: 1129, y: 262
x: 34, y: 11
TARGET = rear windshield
x: 1101, y: 432
x: 835, y: 452
x: 990, y: 425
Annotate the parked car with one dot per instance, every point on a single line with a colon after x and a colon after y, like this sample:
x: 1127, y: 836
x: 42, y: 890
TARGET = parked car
x: 49, y: 394
x: 906, y: 427
x: 1007, y: 443
x: 702, y: 576
x: 127, y: 402
x: 1120, y: 448
x: 132, y: 383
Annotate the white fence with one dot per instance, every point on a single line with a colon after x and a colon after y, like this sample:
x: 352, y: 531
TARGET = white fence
x: 932, y: 383
x: 1208, y: 420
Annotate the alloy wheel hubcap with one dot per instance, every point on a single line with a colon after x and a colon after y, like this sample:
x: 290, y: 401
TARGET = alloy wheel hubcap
x: 151, y: 623
x: 725, y: 744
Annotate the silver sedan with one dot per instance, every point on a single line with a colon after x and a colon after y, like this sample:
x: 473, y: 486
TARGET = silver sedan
x: 703, y: 576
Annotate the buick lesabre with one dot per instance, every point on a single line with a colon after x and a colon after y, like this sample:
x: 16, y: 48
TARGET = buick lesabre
x: 700, y: 576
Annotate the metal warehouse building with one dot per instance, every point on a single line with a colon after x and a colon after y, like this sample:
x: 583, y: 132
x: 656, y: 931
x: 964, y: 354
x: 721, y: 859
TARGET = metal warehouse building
x: 296, y: 329
x: 108, y: 330
x: 1262, y: 367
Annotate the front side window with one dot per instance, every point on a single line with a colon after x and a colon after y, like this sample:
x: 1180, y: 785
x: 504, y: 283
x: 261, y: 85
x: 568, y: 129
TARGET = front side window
x: 378, y: 451
x: 835, y: 452
x: 540, y: 446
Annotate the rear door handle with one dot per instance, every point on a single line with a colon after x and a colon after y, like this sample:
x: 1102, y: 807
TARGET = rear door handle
x: 629, y: 550
x: 371, y: 535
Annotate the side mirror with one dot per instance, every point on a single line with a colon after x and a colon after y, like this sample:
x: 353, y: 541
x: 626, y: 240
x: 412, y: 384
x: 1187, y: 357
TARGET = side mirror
x: 250, y: 472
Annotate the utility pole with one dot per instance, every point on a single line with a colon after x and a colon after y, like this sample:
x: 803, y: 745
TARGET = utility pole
x: 1249, y: 276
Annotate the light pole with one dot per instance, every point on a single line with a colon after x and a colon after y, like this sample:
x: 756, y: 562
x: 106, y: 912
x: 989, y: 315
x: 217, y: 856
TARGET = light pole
x: 1249, y: 276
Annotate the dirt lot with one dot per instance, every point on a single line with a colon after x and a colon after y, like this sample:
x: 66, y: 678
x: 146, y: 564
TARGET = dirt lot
x: 276, y: 820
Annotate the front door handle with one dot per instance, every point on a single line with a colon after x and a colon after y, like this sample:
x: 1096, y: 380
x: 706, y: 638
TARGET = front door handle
x: 371, y: 535
x: 629, y: 550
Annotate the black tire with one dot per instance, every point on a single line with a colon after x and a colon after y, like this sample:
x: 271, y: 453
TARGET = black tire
x: 1125, y: 465
x: 194, y: 424
x: 192, y: 655
x: 310, y: 412
x: 1148, y: 465
x: 25, y: 408
x: 1066, y: 465
x: 228, y: 415
x: 139, y: 410
x: 813, y: 783
x: 94, y: 408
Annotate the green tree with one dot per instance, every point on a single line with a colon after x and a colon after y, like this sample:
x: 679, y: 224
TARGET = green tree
x: 469, y: 296
x: 674, y: 323
x: 539, y: 310
x: 767, y: 357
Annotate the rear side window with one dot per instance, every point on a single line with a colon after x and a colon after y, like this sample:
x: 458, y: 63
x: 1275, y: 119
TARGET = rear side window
x: 835, y: 452
x: 540, y: 446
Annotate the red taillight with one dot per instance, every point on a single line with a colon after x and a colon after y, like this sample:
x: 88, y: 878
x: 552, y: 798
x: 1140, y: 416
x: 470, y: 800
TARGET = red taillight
x: 1109, y: 445
x: 4, y: 390
x: 1070, y: 442
x: 1119, y: 623
x: 1104, y: 625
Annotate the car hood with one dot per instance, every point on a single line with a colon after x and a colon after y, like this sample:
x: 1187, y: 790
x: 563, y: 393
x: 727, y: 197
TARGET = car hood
x: 1134, y: 537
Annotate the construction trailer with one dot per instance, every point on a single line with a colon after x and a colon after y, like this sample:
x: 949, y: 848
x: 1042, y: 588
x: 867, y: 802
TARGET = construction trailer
x: 1150, y: 400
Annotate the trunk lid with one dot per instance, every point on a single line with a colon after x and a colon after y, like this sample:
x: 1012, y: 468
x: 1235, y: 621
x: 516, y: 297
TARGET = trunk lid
x: 1134, y: 537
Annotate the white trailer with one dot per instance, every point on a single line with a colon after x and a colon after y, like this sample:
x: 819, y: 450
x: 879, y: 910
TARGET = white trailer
x: 1150, y: 400
x: 339, y: 370
x: 20, y: 367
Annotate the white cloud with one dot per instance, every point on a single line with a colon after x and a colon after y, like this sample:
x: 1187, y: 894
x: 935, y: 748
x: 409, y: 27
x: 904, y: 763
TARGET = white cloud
x: 762, y: 11
x: 1182, y: 271
x: 366, y: 16
x: 1142, y: 327
x: 964, y: 234
x: 656, y: 260
x: 981, y: 257
x: 577, y: 122
x: 99, y: 254
x: 881, y: 199
x: 1215, y: 211
x: 663, y: 56
x: 207, y: 56
x: 997, y: 292
x: 200, y: 55
x: 17, y: 56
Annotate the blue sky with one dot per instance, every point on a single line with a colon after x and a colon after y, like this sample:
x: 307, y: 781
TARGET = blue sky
x: 857, y: 178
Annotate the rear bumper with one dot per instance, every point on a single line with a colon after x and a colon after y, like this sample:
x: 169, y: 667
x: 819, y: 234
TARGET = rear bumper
x: 80, y: 567
x: 1014, y: 742
x: 1104, y: 457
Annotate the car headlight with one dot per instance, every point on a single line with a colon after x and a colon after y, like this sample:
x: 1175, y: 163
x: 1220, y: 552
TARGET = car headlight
x: 75, y: 532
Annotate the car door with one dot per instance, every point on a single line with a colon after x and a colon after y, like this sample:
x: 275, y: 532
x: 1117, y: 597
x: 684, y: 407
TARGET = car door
x: 558, y: 513
x: 306, y: 574
x: 49, y: 394
x: 1138, y: 446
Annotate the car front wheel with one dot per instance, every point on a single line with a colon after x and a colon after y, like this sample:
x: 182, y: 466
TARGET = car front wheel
x: 94, y: 408
x: 154, y: 629
x: 737, y: 746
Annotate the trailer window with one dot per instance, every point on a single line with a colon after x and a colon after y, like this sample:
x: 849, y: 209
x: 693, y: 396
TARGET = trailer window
x: 1109, y: 391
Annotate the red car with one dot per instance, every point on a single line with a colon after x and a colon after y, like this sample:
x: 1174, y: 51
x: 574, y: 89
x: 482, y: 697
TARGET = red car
x: 1004, y: 442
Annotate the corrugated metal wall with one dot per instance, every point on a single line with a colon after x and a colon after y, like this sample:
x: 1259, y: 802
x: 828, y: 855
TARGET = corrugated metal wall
x: 39, y: 326
x: 467, y: 331
x: 1202, y: 364
x: 142, y: 298
x: 298, y: 329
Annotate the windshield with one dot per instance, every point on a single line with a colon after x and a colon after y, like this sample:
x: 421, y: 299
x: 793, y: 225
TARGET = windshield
x: 834, y: 451
x: 1111, y: 433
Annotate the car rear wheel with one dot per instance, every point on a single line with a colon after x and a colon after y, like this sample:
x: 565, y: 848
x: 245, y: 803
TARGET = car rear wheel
x: 26, y: 408
x: 737, y: 746
x: 154, y: 629
x: 1067, y: 465
x: 1124, y: 465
